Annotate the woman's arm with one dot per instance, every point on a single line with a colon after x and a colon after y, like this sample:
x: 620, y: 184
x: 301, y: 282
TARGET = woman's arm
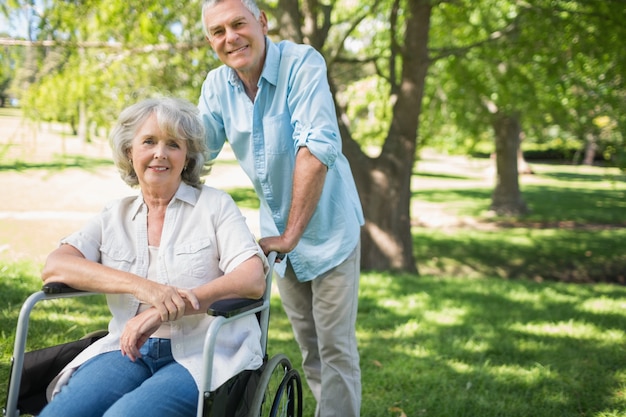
x: 245, y: 281
x: 67, y: 264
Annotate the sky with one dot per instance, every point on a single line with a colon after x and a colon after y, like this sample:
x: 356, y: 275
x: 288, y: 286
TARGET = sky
x: 16, y: 25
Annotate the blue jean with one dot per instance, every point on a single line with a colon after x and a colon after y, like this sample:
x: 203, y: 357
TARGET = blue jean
x: 111, y: 385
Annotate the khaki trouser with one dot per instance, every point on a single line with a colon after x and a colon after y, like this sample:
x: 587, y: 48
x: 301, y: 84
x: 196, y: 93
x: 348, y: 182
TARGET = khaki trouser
x: 322, y: 313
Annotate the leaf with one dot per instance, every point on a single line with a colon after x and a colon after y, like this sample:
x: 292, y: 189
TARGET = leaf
x: 398, y: 410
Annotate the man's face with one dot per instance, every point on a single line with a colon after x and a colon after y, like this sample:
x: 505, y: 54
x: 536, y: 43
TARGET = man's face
x: 236, y: 36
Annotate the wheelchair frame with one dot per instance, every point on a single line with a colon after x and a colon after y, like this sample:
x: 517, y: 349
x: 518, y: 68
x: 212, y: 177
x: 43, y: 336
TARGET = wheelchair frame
x: 278, y: 371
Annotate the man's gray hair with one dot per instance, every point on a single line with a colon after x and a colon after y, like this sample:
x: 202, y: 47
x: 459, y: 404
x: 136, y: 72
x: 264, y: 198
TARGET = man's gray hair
x: 250, y: 5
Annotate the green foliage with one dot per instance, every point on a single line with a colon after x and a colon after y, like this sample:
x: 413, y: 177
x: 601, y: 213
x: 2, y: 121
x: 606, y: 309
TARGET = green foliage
x: 368, y: 114
x: 9, y: 61
x: 109, y: 55
x: 485, y: 56
x: 494, y: 57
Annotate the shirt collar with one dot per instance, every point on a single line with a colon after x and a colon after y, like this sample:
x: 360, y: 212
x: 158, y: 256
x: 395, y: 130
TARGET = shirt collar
x: 270, y: 67
x: 185, y: 193
x: 272, y: 62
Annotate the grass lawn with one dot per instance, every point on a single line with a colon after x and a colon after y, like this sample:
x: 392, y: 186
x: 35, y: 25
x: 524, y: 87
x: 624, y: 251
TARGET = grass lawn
x: 504, y: 319
x: 432, y: 346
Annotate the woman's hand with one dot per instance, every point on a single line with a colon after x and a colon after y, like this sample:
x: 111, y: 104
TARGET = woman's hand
x: 137, y: 331
x: 168, y: 301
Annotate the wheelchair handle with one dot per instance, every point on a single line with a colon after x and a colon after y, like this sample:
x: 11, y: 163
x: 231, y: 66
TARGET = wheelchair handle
x: 58, y: 288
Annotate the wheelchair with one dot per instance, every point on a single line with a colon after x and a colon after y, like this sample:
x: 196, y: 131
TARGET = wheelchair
x: 275, y: 389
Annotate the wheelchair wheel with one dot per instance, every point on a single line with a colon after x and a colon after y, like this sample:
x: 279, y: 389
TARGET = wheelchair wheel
x: 279, y: 391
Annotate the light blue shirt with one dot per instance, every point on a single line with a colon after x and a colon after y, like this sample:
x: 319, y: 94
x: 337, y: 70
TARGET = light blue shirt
x: 293, y: 108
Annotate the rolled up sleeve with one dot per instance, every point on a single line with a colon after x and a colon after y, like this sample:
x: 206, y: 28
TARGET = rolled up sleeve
x: 316, y: 140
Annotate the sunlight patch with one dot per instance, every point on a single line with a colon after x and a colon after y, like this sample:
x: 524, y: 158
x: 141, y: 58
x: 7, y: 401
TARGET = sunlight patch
x: 603, y: 305
x: 566, y: 329
x: 408, y: 329
x: 446, y: 317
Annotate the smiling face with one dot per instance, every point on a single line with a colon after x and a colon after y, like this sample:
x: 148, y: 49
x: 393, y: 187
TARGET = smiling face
x: 237, y: 37
x: 158, y: 158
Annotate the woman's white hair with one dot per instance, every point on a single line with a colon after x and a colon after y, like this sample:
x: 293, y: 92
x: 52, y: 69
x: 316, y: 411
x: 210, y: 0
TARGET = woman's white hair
x: 176, y: 117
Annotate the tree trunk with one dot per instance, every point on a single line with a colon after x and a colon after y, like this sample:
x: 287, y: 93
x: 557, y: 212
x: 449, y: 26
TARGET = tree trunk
x: 384, y: 183
x: 523, y: 168
x: 83, y: 122
x: 507, y: 199
x: 591, y: 146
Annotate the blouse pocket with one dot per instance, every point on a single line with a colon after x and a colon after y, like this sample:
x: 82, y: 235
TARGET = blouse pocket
x: 117, y: 256
x: 193, y: 259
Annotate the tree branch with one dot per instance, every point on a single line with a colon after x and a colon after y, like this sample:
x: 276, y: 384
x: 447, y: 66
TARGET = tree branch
x: 463, y: 50
x: 181, y: 46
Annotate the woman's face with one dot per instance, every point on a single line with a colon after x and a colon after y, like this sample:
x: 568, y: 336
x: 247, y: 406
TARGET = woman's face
x: 158, y: 159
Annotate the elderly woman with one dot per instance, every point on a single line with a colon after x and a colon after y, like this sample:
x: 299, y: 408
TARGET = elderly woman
x: 161, y: 258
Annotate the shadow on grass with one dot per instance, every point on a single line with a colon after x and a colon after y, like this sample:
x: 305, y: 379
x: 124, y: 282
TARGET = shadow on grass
x: 59, y: 163
x: 585, y: 206
x: 570, y: 176
x: 561, y: 255
x: 547, y: 204
x: 438, y: 347
x: 441, y: 176
x: 453, y: 347
x: 50, y: 318
x: 51, y: 322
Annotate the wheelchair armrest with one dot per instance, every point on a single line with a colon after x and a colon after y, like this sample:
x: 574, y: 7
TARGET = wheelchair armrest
x: 233, y: 306
x: 58, y: 288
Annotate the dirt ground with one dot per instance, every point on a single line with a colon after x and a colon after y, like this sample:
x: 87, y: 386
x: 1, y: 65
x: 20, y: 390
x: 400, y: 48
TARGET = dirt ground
x: 40, y: 206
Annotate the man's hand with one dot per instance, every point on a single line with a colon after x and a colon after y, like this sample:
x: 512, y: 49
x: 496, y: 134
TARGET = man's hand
x: 277, y: 244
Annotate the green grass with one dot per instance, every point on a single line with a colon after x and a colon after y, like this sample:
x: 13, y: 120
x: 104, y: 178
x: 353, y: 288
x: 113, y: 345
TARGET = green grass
x: 574, y: 231
x: 244, y: 197
x: 555, y: 193
x: 58, y: 163
x: 10, y: 112
x: 567, y: 255
x: 432, y: 346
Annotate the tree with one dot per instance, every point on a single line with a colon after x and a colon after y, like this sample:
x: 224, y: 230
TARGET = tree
x: 480, y: 70
x: 94, y: 58
x: 502, y: 70
x: 490, y: 65
x: 384, y: 181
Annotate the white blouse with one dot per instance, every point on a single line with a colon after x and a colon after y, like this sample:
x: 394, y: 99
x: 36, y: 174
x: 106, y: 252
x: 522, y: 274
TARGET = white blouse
x: 204, y: 236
